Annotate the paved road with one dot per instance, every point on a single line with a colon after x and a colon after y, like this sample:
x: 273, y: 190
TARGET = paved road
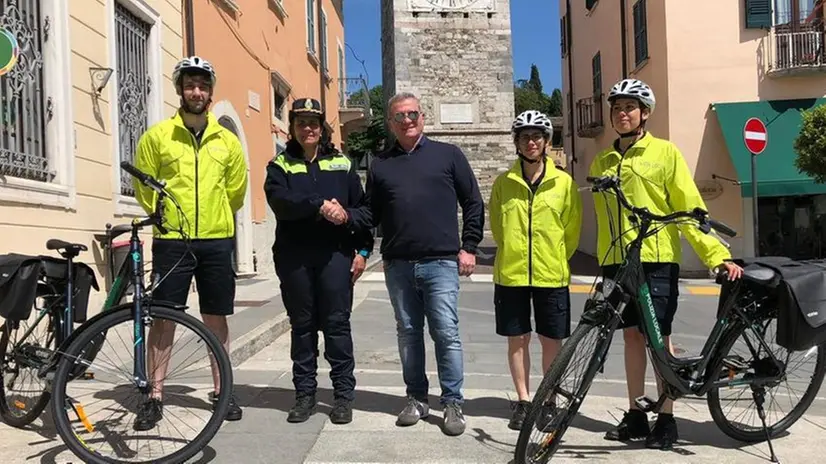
x: 264, y: 435
x: 264, y: 390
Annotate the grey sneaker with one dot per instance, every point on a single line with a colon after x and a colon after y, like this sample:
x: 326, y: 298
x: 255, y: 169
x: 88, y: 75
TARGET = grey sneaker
x: 454, y: 420
x: 414, y: 411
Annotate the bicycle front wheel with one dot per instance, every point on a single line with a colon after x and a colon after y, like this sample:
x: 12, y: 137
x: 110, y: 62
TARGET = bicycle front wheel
x: 106, y: 418
x: 562, y: 392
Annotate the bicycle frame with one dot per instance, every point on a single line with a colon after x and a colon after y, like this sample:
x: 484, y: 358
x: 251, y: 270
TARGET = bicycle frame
x: 701, y: 371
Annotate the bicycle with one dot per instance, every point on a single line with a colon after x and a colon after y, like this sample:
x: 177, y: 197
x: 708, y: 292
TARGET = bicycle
x: 69, y: 352
x: 746, y: 306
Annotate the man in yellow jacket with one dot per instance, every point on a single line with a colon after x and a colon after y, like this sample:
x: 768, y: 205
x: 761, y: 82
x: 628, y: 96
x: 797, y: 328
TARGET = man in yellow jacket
x: 205, y: 170
x: 653, y: 174
x: 535, y: 217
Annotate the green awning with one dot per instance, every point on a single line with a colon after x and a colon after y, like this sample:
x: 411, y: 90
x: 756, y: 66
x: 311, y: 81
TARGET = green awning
x: 776, y: 172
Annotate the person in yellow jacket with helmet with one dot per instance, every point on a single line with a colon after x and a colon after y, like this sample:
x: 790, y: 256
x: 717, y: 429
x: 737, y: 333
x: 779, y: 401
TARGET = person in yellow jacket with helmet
x: 205, y: 170
x: 653, y: 174
x: 535, y: 217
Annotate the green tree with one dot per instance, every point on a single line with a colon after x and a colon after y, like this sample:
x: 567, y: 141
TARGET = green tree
x: 528, y: 95
x: 370, y: 140
x: 810, y: 144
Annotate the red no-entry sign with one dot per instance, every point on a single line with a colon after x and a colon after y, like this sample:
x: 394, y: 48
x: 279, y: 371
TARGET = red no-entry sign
x: 755, y: 135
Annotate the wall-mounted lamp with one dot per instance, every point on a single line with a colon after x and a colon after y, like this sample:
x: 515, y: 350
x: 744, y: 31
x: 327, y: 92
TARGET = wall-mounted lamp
x: 100, y: 77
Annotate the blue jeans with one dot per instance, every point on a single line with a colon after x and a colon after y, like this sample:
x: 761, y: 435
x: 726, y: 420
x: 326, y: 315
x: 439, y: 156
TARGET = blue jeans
x: 427, y: 288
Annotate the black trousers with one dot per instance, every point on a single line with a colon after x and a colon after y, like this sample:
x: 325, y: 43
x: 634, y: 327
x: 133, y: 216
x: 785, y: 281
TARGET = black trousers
x: 318, y: 295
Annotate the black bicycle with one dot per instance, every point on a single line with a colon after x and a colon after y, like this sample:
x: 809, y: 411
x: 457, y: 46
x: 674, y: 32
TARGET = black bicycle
x: 746, y: 308
x: 51, y: 352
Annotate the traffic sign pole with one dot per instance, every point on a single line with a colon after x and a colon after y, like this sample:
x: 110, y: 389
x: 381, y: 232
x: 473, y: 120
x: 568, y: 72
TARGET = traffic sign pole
x: 756, y: 137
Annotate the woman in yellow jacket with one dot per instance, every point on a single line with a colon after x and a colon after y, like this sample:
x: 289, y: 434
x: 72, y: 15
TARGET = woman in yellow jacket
x: 535, y: 217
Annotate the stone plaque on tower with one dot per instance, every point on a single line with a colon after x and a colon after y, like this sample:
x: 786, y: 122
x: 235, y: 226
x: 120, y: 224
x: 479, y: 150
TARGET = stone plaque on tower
x: 456, y: 56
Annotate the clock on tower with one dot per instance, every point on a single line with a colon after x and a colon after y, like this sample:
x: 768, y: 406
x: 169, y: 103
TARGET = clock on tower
x: 452, y: 5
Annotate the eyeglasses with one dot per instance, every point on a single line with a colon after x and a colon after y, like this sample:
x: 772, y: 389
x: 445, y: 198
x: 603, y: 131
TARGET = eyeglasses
x: 413, y: 115
x: 525, y: 138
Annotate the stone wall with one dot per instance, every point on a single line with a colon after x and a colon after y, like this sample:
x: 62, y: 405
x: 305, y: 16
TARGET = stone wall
x: 460, y: 65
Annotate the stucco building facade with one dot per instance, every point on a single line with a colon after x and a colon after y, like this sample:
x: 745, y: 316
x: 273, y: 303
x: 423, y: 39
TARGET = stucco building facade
x: 267, y: 54
x: 711, y: 73
x: 92, y: 76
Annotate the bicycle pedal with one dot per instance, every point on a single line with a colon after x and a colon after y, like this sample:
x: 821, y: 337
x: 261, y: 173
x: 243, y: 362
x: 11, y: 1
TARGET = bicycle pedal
x: 735, y: 363
x: 645, y: 404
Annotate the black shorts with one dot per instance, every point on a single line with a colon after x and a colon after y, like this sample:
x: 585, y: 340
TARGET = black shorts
x: 211, y: 266
x: 552, y: 311
x: 664, y: 284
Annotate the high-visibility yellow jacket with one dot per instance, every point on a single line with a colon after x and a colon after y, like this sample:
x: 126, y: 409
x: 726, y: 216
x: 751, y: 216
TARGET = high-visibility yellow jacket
x: 654, y: 175
x: 209, y: 180
x: 535, y: 234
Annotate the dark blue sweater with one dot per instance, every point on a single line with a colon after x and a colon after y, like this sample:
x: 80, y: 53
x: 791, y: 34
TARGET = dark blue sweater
x: 414, y: 198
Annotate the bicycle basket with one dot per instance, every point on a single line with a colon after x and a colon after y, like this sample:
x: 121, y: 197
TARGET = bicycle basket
x: 84, y: 281
x: 19, y: 276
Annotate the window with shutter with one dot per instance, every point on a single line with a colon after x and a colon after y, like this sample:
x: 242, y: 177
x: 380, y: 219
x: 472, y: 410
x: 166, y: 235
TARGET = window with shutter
x: 758, y: 14
x: 563, y: 32
x: 596, y: 73
x: 640, y: 33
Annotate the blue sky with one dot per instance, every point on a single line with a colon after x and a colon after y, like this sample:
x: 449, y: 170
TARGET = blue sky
x: 535, y: 25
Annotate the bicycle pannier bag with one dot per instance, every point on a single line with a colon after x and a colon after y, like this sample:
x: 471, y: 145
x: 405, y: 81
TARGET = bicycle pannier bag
x: 19, y: 275
x: 801, y: 319
x: 84, y: 281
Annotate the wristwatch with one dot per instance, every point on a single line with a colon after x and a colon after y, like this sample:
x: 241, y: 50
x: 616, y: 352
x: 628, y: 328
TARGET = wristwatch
x: 364, y: 253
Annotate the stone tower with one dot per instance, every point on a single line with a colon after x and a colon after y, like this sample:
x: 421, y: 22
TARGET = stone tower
x: 456, y: 56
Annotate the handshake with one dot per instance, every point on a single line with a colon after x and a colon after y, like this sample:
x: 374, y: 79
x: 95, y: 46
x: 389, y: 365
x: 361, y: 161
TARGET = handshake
x: 333, y: 212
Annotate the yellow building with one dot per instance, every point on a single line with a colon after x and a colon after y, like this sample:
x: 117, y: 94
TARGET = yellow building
x: 93, y: 74
x: 713, y: 65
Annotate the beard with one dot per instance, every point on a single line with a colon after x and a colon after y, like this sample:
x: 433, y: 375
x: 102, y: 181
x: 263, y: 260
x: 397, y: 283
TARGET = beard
x: 195, y: 108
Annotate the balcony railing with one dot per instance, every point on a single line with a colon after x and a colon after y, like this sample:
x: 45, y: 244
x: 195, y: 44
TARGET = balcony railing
x: 589, y: 116
x: 795, y: 52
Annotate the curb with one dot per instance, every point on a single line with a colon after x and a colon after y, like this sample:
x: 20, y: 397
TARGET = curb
x: 252, y: 342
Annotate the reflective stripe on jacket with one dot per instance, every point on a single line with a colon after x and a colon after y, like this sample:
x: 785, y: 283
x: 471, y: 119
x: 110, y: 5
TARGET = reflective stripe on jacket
x: 296, y: 190
x: 535, y: 234
x: 654, y: 175
x: 209, y: 180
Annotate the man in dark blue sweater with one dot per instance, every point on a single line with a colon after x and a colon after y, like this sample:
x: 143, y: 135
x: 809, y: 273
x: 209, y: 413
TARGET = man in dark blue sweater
x: 412, y: 192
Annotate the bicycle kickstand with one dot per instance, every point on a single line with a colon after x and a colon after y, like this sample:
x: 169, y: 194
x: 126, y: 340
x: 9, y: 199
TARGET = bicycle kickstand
x: 759, y: 398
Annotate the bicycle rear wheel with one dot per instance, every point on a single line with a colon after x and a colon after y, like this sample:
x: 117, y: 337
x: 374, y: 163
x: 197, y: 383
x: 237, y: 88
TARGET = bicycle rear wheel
x: 583, y: 352
x: 23, y: 393
x: 748, y: 359
x: 132, y: 443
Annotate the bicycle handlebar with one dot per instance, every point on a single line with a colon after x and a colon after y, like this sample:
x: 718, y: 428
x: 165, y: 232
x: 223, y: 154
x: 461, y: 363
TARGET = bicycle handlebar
x: 156, y: 217
x: 605, y: 183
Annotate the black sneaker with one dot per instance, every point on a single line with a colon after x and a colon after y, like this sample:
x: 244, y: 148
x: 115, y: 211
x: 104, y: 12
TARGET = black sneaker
x: 342, y: 412
x: 634, y: 426
x: 664, y: 434
x: 149, y: 414
x: 234, y: 412
x: 305, y: 405
x: 520, y: 410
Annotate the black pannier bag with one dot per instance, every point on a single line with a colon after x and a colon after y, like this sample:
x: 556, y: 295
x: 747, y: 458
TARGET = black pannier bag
x: 84, y: 281
x: 801, y: 302
x: 19, y: 275
x: 801, y: 320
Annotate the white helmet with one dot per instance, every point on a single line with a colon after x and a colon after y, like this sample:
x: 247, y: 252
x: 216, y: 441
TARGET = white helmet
x: 633, y: 88
x: 533, y: 119
x: 193, y: 63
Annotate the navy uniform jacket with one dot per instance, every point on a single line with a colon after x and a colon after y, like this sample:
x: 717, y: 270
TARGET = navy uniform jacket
x: 296, y: 189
